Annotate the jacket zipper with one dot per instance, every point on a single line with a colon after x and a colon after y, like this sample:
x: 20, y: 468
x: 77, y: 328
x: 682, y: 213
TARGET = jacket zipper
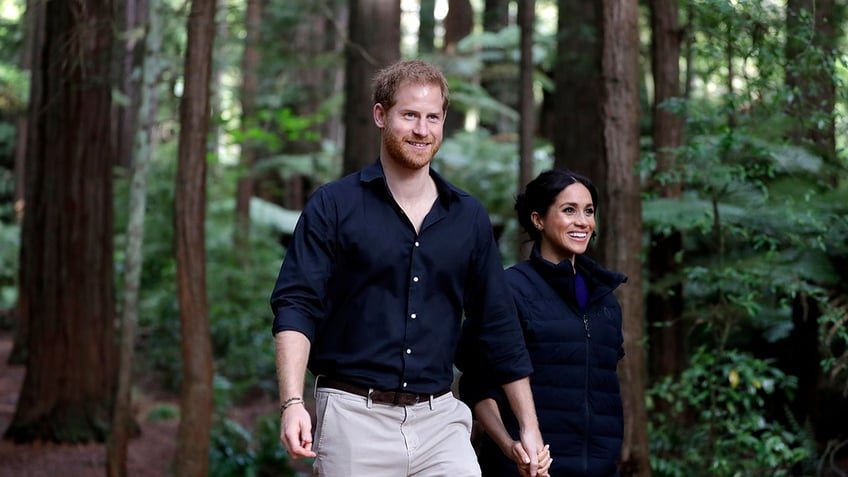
x: 586, y: 396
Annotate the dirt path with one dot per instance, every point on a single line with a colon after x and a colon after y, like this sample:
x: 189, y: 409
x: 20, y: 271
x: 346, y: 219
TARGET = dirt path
x: 150, y: 454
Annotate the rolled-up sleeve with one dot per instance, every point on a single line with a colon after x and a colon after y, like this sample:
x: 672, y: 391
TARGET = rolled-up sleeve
x: 491, y: 335
x: 297, y: 300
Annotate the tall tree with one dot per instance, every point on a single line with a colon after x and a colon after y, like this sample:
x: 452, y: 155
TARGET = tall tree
x: 67, y: 295
x: 426, y: 27
x: 527, y: 125
x: 249, y: 86
x: 27, y: 130
x: 812, y: 36
x: 459, y: 23
x: 578, y: 131
x: 665, y: 305
x: 192, y: 457
x: 122, y: 421
x: 131, y: 16
x: 499, y: 74
x: 31, y: 20
x: 622, y: 222
x: 598, y: 113
x: 812, y: 28
x: 374, y: 43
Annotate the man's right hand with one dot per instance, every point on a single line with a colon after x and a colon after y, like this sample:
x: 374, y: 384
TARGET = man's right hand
x: 296, y: 431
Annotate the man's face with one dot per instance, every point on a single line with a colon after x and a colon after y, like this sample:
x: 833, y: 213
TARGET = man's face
x: 412, y: 128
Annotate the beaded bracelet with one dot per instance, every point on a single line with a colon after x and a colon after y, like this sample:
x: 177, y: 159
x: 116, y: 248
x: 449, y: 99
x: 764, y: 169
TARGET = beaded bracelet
x: 290, y: 402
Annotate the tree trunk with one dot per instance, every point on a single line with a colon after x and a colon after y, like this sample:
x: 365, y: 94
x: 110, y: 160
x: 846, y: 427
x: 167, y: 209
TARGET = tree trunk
x: 577, y: 133
x: 668, y: 354
x: 250, y: 67
x: 132, y: 16
x: 459, y: 23
x: 34, y: 11
x: 374, y: 44
x: 495, y: 15
x: 811, y: 31
x: 28, y: 137
x: 196, y: 406
x: 811, y: 38
x: 498, y: 77
x: 621, y: 216
x: 66, y: 289
x: 527, y: 125
x: 426, y: 27
x: 122, y: 419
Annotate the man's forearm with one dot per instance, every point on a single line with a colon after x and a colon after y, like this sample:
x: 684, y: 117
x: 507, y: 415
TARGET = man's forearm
x: 291, y: 349
x: 521, y: 401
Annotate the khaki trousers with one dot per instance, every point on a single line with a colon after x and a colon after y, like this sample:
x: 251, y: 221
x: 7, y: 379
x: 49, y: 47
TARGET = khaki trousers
x: 360, y: 439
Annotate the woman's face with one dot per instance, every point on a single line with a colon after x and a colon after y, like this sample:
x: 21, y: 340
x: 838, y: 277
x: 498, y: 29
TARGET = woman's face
x: 568, y: 224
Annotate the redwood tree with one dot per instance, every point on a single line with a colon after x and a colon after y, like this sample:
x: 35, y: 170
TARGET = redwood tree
x: 576, y: 128
x: 597, y: 103
x: 621, y: 216
x: 122, y: 419
x: 249, y: 87
x: 665, y: 305
x: 459, y: 23
x: 67, y: 295
x: 374, y: 43
x: 192, y: 458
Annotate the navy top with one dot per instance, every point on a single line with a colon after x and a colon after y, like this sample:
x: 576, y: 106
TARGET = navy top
x: 575, y: 352
x: 381, y: 305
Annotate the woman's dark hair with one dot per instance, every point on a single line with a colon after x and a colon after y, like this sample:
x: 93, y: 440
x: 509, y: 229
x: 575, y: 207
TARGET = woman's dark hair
x: 541, y: 192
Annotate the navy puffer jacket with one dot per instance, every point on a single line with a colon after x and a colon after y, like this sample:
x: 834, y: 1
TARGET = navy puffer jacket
x: 575, y: 353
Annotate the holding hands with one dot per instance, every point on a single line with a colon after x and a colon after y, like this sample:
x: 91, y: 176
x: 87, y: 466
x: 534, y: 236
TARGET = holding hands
x: 519, y: 455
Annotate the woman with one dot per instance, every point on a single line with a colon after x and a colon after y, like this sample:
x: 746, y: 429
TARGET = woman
x: 572, y: 328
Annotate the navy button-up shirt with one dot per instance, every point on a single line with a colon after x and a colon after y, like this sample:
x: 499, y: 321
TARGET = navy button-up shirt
x: 381, y: 305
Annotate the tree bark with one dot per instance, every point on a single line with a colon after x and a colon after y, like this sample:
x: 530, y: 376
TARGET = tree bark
x: 576, y: 131
x: 527, y: 109
x: 122, y: 419
x: 28, y: 137
x: 66, y: 288
x: 244, y: 188
x: 196, y: 405
x: 810, y: 76
x: 374, y: 31
x: 667, y: 352
x: 621, y: 221
x: 426, y: 27
x: 132, y: 16
x: 498, y: 77
x: 459, y: 23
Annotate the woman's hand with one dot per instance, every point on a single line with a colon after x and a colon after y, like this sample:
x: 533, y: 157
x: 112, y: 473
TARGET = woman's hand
x: 545, y: 461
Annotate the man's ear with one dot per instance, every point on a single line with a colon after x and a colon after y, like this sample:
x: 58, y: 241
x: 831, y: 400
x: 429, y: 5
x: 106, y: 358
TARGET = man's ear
x: 379, y: 115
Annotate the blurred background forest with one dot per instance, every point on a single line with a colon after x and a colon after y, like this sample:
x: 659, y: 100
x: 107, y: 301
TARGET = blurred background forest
x: 154, y: 155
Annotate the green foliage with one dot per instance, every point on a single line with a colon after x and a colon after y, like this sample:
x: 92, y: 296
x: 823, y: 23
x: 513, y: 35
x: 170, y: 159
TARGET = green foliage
x: 235, y: 452
x: 713, y: 419
x: 10, y: 236
x: 486, y: 167
x: 229, y: 451
x: 759, y: 227
x: 239, y: 315
x: 163, y: 412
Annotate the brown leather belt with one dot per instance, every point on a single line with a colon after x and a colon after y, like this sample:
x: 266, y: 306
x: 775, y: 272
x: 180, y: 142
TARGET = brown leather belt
x: 394, y: 398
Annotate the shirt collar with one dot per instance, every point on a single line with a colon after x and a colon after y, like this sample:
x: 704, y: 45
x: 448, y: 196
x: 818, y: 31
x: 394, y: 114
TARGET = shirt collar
x: 447, y: 192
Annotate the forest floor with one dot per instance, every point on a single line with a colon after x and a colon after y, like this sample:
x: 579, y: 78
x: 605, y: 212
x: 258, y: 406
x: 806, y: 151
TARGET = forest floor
x: 150, y: 454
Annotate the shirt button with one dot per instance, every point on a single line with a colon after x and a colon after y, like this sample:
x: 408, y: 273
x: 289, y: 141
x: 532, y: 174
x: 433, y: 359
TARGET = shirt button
x: 404, y: 384
x: 417, y: 243
x: 413, y: 316
x: 415, y: 279
x: 408, y: 351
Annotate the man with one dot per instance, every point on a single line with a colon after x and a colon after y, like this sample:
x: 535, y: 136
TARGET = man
x: 371, y: 295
